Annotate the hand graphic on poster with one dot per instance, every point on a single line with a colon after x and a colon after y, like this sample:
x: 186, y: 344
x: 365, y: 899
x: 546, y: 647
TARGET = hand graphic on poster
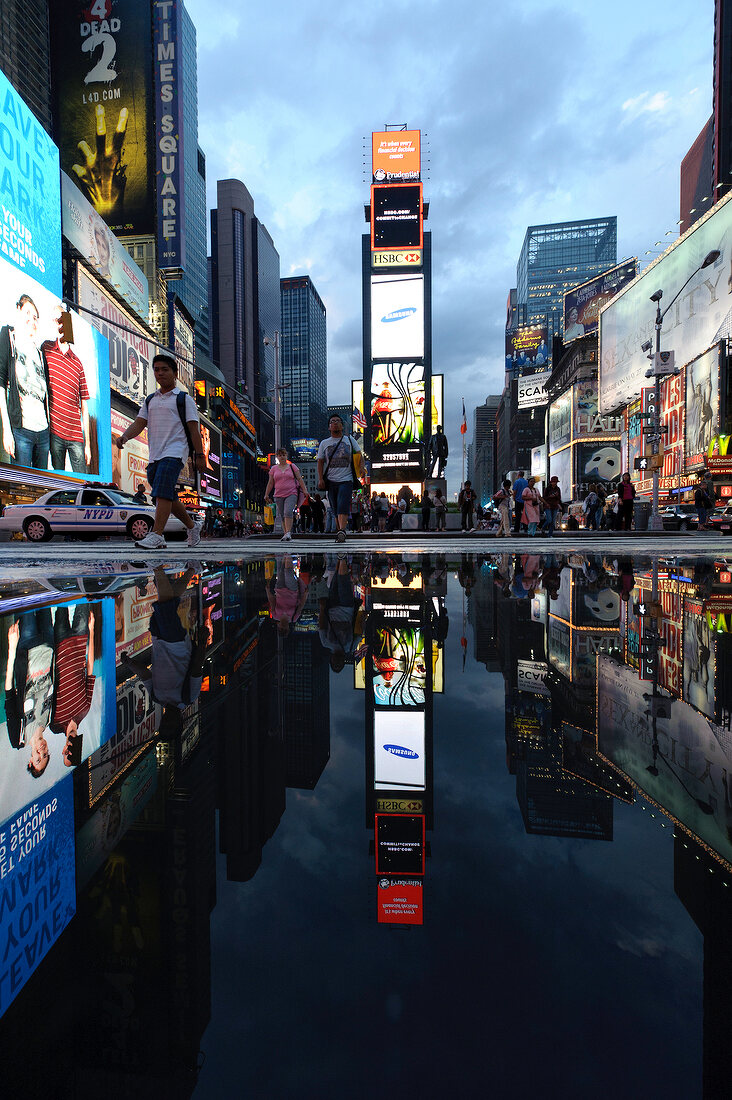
x: 102, y: 177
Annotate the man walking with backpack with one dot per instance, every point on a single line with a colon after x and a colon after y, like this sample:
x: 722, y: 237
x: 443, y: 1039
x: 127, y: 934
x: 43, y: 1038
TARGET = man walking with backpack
x: 337, y: 472
x: 173, y: 432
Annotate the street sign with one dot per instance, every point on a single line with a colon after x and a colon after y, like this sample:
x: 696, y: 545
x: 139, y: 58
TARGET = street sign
x: 641, y: 464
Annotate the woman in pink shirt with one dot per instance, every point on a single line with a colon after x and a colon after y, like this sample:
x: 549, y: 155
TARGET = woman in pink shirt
x: 286, y: 481
x: 531, y: 513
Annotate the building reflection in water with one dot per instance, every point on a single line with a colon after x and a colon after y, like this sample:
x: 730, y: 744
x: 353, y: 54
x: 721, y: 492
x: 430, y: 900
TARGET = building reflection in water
x: 141, y: 709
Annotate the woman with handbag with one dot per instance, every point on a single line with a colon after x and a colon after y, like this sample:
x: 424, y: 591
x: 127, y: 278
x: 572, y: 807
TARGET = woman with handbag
x: 530, y: 514
x: 286, y: 481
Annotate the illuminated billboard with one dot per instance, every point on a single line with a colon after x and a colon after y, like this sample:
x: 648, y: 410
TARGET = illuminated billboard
x: 397, y: 257
x: 38, y: 879
x: 397, y: 404
x: 399, y: 750
x: 169, y: 136
x: 582, y: 304
x: 399, y: 844
x: 400, y: 901
x: 438, y: 413
x: 305, y: 448
x: 560, y: 422
x: 183, y: 346
x: 102, y: 75
x: 129, y: 463
x: 532, y: 389
x: 30, y: 231
x: 130, y: 356
x: 91, y: 236
x: 600, y: 462
x: 560, y: 464
x: 702, y: 406
x: 54, y: 404
x: 699, y: 658
x: 358, y: 418
x: 395, y: 155
x: 211, y: 475
x: 399, y: 667
x: 527, y: 349
x: 699, y: 317
x: 396, y: 216
x: 138, y: 719
x: 397, y: 316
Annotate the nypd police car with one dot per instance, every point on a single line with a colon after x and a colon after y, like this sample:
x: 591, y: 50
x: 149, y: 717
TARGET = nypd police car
x: 88, y: 511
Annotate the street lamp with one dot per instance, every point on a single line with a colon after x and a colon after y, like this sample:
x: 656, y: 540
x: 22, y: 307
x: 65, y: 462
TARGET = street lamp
x: 663, y: 366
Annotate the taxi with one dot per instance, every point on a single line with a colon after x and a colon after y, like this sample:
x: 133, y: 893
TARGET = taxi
x: 88, y: 512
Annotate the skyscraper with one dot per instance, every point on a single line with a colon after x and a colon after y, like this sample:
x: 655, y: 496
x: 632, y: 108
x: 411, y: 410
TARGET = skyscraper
x: 556, y: 257
x: 267, y: 311
x: 24, y: 54
x: 304, y: 360
x: 484, y: 448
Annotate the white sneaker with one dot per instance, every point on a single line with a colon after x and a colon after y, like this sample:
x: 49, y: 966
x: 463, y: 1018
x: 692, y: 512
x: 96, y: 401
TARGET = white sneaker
x: 194, y: 533
x: 152, y: 542
x: 286, y: 537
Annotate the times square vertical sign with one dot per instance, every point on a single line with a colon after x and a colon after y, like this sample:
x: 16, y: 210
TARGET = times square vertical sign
x: 169, y: 136
x: 396, y: 373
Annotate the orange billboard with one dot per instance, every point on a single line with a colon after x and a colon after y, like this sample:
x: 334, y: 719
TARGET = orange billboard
x: 395, y: 155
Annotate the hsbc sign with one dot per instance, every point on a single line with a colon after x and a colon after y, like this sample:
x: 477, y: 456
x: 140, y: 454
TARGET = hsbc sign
x: 404, y: 257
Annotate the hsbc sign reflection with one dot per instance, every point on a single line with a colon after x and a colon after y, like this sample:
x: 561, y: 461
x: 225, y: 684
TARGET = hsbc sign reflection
x: 399, y: 258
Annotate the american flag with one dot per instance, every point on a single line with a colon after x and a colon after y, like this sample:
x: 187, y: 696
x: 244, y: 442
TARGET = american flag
x: 358, y: 418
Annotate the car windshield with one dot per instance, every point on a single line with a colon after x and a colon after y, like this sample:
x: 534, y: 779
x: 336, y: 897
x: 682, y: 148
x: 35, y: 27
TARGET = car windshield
x: 118, y: 497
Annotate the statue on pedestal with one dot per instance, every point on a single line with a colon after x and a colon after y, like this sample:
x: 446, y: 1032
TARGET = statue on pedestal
x: 437, y: 452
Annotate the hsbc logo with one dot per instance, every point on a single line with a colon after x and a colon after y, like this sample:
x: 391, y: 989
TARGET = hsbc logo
x: 399, y: 258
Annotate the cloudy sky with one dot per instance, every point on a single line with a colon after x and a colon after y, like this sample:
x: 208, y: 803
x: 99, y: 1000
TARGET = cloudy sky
x: 534, y: 112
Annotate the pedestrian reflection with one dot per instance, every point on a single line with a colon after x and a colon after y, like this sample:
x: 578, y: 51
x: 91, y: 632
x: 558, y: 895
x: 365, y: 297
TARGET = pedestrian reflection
x: 340, y: 614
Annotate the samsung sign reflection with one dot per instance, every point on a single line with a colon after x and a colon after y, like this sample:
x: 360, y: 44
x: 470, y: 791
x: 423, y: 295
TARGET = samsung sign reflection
x: 399, y: 760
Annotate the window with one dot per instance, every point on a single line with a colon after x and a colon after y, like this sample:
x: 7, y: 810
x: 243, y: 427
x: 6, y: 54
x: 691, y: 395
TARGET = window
x: 68, y: 496
x: 92, y: 497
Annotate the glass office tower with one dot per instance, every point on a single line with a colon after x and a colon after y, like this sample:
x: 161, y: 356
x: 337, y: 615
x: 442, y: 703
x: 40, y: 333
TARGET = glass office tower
x: 267, y: 311
x: 554, y: 258
x: 304, y: 360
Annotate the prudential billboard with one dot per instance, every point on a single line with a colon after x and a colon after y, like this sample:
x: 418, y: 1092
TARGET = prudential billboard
x: 397, y: 316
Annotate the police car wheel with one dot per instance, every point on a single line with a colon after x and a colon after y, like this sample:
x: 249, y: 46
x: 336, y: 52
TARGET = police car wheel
x: 138, y: 527
x: 36, y: 529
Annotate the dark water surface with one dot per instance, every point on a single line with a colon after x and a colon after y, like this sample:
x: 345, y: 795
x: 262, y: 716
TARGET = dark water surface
x: 326, y: 826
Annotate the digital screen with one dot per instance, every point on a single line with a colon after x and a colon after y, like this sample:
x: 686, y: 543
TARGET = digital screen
x: 397, y: 404
x: 560, y: 422
x: 599, y: 462
x: 395, y: 155
x: 399, y: 844
x: 397, y: 316
x: 89, y: 234
x: 399, y: 750
x: 438, y: 414
x: 396, y: 216
x: 583, y: 303
x: 31, y: 197
x: 102, y: 71
x: 38, y: 880
x: 212, y: 598
x: 184, y: 347
x: 702, y: 406
x: 699, y: 318
x: 130, y: 356
x: 211, y: 475
x: 400, y: 901
x: 527, y: 349
x: 57, y: 702
x: 305, y: 448
x: 532, y: 389
x: 399, y: 667
x: 57, y: 391
x: 129, y: 464
x: 699, y: 658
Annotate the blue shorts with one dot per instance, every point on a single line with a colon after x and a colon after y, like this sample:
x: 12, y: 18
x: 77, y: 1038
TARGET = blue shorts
x: 339, y: 495
x: 165, y: 622
x: 163, y: 477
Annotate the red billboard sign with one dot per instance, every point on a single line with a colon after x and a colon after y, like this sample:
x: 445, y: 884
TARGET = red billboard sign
x: 400, y: 901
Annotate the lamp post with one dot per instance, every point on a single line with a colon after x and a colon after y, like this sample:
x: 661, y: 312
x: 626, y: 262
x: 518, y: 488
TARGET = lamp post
x: 658, y: 372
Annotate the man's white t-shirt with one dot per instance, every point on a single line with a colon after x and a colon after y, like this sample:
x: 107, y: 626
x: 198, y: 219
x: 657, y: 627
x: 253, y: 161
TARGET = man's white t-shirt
x: 338, y: 451
x: 166, y: 437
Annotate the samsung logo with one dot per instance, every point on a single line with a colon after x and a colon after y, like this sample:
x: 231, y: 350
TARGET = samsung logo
x: 399, y: 314
x: 399, y: 750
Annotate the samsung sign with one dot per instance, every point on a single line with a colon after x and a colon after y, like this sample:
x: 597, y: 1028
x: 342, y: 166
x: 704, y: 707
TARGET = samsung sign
x: 397, y: 316
x: 169, y: 137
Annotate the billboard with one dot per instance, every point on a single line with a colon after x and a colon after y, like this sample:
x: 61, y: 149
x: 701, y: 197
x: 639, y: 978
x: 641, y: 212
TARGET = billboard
x: 396, y: 216
x: 30, y: 233
x: 400, y: 901
x: 399, y: 750
x: 699, y: 658
x: 561, y: 465
x: 38, y: 883
x: 130, y: 357
x: 55, y: 413
x: 210, y: 479
x: 438, y: 412
x: 697, y: 319
x: 395, y: 155
x: 702, y: 406
x: 169, y: 135
x: 685, y: 773
x: 90, y: 235
x: 138, y: 718
x: 399, y: 844
x: 399, y: 667
x: 57, y: 700
x: 129, y: 464
x: 532, y: 389
x: 527, y: 348
x: 560, y: 422
x: 397, y: 404
x: 597, y: 463
x: 397, y: 316
x: 582, y: 304
x: 397, y: 257
x: 306, y: 448
x: 183, y: 345
x: 102, y: 73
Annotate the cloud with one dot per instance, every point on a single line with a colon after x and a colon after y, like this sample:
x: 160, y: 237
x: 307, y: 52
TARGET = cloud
x: 647, y: 102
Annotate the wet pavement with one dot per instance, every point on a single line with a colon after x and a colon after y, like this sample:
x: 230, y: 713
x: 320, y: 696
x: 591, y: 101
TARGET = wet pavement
x: 341, y: 823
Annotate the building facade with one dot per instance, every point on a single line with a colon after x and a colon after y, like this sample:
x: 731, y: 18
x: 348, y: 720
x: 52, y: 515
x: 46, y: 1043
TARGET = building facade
x: 304, y: 362
x: 24, y: 54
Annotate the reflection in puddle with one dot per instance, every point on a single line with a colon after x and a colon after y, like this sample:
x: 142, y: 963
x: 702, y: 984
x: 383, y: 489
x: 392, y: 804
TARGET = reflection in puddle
x: 151, y: 717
